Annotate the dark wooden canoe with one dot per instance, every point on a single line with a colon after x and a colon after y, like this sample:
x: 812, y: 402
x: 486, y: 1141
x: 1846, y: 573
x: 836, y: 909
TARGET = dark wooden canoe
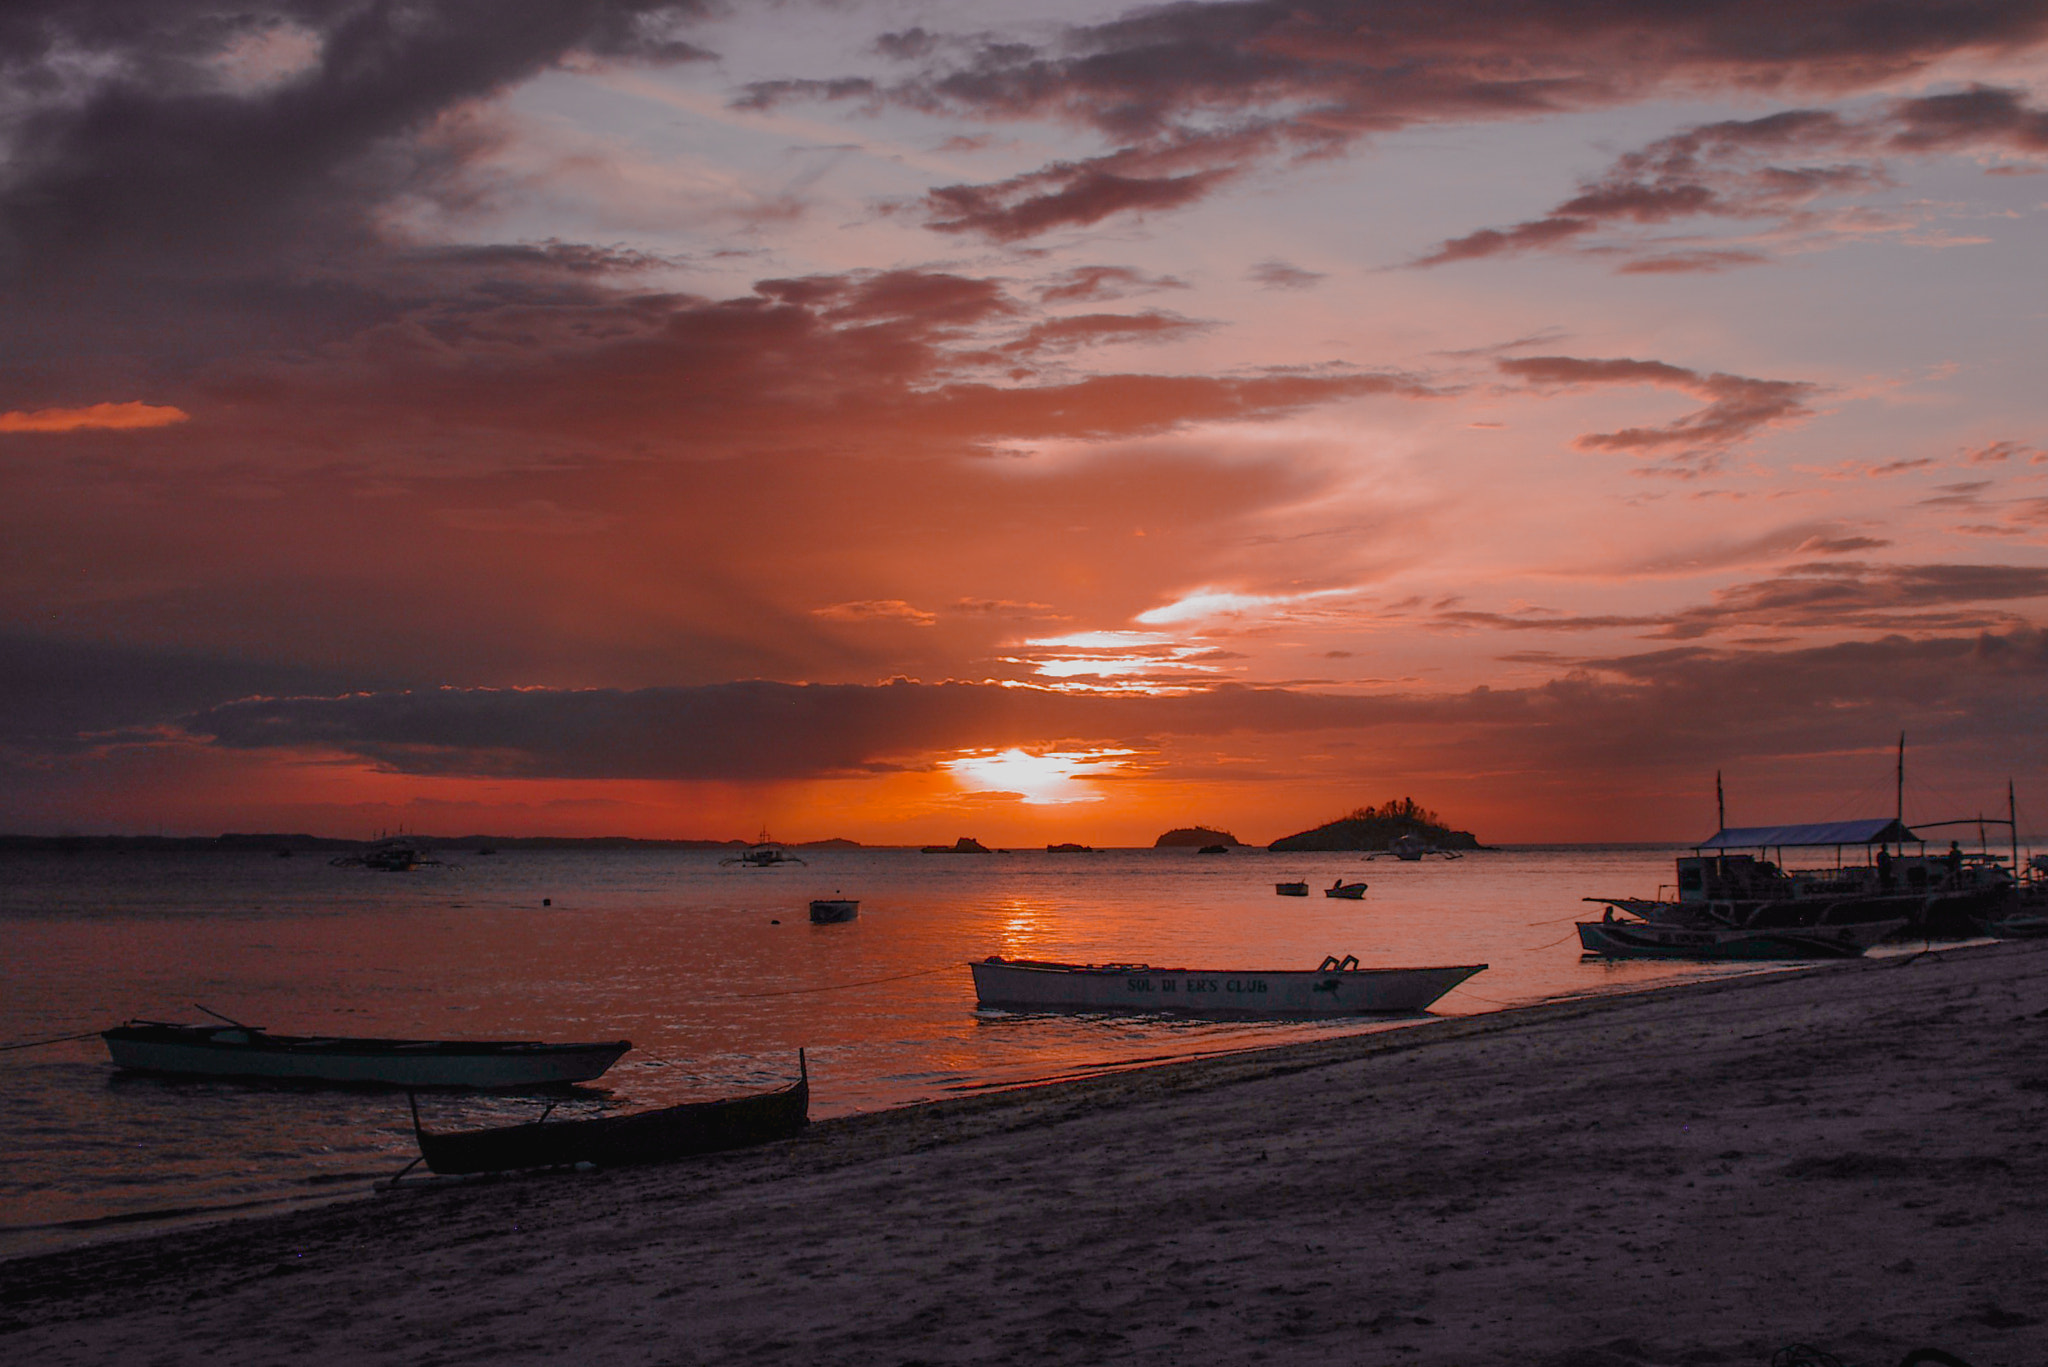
x: 617, y: 1140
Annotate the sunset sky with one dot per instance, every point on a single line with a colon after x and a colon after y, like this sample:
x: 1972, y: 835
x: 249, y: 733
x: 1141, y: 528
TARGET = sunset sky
x: 899, y: 419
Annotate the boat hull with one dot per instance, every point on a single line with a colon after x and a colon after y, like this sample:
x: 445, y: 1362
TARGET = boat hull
x: 232, y: 1052
x: 622, y: 1140
x: 831, y: 910
x: 1945, y: 914
x: 1651, y: 940
x: 1029, y: 985
x: 1350, y: 892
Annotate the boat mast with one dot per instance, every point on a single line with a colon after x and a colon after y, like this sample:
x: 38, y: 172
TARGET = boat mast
x: 2012, y: 825
x: 1720, y: 804
x: 1899, y: 787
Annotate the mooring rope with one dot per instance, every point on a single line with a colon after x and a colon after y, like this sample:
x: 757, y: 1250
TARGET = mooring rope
x: 837, y: 987
x: 56, y: 1039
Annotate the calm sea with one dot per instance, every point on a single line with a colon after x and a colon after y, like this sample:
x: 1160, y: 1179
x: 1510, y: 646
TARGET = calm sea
x: 714, y: 972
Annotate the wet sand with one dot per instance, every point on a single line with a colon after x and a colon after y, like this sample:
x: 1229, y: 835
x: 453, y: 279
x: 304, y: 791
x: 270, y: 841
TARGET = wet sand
x: 1853, y: 1156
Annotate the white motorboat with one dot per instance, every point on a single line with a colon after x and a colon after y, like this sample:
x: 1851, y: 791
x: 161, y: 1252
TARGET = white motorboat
x: 1340, y: 987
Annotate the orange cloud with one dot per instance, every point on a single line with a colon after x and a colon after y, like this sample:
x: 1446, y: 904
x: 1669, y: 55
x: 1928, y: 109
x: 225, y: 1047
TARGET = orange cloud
x: 114, y: 417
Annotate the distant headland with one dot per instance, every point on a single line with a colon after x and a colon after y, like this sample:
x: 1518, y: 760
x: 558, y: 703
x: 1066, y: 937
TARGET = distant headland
x: 269, y: 842
x: 1377, y: 828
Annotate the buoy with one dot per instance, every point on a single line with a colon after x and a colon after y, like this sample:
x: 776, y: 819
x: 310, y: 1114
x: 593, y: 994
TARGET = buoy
x: 547, y: 901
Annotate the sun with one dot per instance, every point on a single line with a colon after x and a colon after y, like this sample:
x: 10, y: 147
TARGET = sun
x: 1039, y: 780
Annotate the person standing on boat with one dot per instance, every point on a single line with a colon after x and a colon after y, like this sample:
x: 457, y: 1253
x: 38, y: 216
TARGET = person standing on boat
x: 1954, y: 860
x: 1884, y: 869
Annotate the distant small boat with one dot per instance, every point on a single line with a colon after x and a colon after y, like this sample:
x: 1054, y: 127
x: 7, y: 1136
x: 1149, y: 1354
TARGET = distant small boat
x: 1214, y: 849
x: 1618, y: 938
x: 1349, y: 891
x: 764, y: 853
x: 388, y: 856
x: 656, y: 1136
x: 1338, y: 988
x: 1292, y: 889
x: 827, y: 910
x: 243, y: 1051
x: 1411, y: 848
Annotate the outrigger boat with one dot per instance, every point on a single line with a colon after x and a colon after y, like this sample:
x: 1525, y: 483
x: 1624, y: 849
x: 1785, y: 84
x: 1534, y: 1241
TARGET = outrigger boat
x: 1340, y: 987
x: 656, y: 1136
x: 1411, y: 848
x: 1621, y: 938
x: 390, y: 856
x: 249, y: 1052
x: 762, y: 854
x: 1739, y: 878
x: 1728, y: 881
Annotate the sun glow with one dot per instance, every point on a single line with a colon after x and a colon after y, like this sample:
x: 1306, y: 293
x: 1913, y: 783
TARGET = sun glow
x: 1053, y: 777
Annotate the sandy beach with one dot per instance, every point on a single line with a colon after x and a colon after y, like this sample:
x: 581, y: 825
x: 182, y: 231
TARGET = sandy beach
x: 1851, y: 1156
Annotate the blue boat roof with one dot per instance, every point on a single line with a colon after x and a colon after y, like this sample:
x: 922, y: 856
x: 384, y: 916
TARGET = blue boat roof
x: 1871, y: 831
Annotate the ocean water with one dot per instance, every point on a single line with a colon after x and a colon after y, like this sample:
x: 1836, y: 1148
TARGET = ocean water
x: 714, y: 972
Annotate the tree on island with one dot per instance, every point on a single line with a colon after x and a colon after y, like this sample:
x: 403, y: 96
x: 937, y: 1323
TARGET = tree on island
x: 1377, y: 828
x: 1194, y: 837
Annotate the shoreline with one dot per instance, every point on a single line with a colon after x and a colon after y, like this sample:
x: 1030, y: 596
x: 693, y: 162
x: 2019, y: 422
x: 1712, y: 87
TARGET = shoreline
x: 1849, y: 1155
x: 96, y: 1231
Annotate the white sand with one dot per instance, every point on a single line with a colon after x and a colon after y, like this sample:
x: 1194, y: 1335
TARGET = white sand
x: 1853, y: 1157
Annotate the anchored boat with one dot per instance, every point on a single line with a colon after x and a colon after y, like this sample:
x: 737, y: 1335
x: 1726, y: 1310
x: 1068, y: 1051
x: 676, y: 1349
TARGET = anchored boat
x: 1739, y: 878
x: 389, y: 856
x: 1621, y: 938
x: 1340, y: 987
x: 762, y: 854
x: 244, y: 1051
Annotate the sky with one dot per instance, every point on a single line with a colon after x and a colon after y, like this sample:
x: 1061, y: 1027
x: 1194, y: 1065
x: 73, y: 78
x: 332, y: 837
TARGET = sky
x: 900, y: 420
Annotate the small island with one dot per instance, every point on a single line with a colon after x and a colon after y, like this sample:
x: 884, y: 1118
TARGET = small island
x: 1194, y: 838
x: 966, y: 844
x: 1379, y: 828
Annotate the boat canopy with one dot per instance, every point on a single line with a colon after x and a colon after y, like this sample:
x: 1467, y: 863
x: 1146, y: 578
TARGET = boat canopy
x: 1873, y: 831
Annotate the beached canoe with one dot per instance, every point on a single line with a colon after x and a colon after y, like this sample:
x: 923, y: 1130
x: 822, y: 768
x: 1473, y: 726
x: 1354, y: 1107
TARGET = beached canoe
x: 1624, y: 939
x: 239, y: 1051
x: 657, y: 1136
x: 1338, y: 988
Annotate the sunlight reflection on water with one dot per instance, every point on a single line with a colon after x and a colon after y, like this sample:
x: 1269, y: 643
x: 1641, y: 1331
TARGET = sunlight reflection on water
x: 715, y: 973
